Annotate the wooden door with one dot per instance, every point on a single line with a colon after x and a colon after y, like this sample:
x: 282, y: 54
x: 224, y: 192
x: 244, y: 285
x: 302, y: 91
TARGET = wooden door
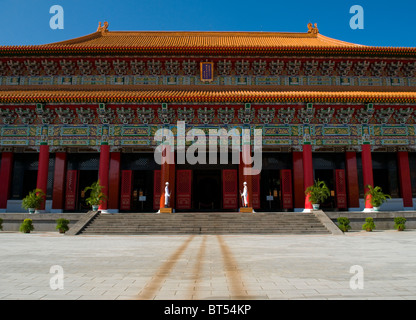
x: 340, y: 189
x: 184, y: 189
x: 230, y: 189
x: 126, y: 186
x: 71, y: 190
x: 286, y: 188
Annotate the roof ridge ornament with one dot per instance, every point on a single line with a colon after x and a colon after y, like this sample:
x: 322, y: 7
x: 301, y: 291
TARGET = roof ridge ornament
x: 102, y: 28
x: 313, y: 29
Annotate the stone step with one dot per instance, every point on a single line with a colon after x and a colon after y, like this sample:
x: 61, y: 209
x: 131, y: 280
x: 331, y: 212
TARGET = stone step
x: 205, y: 223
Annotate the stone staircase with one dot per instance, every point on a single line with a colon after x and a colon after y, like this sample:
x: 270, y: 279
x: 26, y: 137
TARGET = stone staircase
x: 205, y: 223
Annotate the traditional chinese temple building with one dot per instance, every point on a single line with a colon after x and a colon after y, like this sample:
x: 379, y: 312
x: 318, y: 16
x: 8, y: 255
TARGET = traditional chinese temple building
x: 87, y: 108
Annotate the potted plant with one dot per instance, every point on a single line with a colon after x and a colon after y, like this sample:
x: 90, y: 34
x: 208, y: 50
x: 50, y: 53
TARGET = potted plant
x: 96, y: 195
x: 378, y: 197
x: 369, y: 224
x: 344, y: 224
x: 62, y: 225
x: 399, y: 223
x: 33, y: 200
x: 318, y: 192
x: 26, y: 226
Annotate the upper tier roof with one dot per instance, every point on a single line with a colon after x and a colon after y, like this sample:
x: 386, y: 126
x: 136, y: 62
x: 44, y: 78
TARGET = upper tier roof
x: 193, y: 42
x: 163, y: 39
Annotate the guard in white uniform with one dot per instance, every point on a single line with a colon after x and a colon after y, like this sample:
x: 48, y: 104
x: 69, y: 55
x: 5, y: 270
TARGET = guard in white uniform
x: 244, y: 195
x: 167, y: 195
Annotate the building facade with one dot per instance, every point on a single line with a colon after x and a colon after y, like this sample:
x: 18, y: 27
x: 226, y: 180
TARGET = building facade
x: 89, y: 108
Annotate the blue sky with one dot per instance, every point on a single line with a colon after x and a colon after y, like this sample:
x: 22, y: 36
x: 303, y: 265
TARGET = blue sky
x: 386, y: 23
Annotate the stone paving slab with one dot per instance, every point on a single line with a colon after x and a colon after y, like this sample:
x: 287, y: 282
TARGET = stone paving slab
x: 186, y: 267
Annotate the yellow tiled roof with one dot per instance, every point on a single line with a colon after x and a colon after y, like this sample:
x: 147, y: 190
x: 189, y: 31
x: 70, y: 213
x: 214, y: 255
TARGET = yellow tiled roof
x: 204, y: 43
x: 156, y: 39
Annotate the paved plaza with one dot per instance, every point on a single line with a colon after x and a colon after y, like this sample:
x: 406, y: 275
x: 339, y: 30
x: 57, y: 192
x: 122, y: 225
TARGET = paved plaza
x: 358, y: 265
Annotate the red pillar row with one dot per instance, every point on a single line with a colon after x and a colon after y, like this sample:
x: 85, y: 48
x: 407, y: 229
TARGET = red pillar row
x: 59, y: 181
x: 114, y: 181
x: 43, y: 167
x: 307, y: 172
x: 299, y: 194
x: 353, y: 193
x: 103, y: 170
x: 5, y: 178
x: 245, y: 176
x: 167, y: 174
x: 367, y: 172
x: 404, y: 178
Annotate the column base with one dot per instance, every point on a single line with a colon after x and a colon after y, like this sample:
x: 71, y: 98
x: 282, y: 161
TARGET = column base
x: 368, y: 210
x: 165, y: 210
x: 247, y: 209
x: 307, y: 210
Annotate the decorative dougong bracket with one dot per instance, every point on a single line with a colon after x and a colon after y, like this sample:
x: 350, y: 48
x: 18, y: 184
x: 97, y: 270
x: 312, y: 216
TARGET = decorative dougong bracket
x: 186, y: 114
x: 126, y: 116
x: 384, y: 115
x: 45, y: 115
x: 165, y: 114
x: 226, y: 115
x: 206, y: 115
x: 305, y: 115
x: 364, y: 115
x: 247, y: 114
x: 402, y: 115
x: 26, y: 115
x: 286, y: 115
x: 66, y: 115
x: 344, y: 116
x: 105, y: 114
x: 86, y: 116
x: 7, y: 116
x: 145, y: 115
x: 266, y: 116
x: 325, y: 115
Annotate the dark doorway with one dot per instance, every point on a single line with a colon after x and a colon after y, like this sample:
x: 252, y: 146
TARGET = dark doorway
x: 381, y: 179
x: 206, y: 190
x: 270, y: 195
x: 86, y: 179
x: 29, y: 181
x: 142, y: 188
x: 327, y: 175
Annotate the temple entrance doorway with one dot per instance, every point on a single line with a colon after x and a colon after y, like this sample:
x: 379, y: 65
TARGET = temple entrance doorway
x: 206, y: 187
x: 327, y: 175
x: 270, y: 194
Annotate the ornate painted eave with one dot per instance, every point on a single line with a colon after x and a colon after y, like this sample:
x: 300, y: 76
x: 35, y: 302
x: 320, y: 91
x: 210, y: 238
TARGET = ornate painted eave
x: 201, y: 96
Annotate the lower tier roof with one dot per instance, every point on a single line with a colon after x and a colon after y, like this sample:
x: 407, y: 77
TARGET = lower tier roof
x: 27, y: 95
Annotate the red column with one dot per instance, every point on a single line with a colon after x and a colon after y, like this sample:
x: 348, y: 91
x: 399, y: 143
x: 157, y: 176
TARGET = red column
x: 167, y: 174
x: 59, y: 182
x: 114, y: 181
x: 307, y: 172
x: 5, y: 178
x: 367, y: 172
x: 246, y: 149
x: 299, y: 194
x: 352, y: 180
x: 43, y: 167
x: 103, y: 173
x: 404, y: 178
